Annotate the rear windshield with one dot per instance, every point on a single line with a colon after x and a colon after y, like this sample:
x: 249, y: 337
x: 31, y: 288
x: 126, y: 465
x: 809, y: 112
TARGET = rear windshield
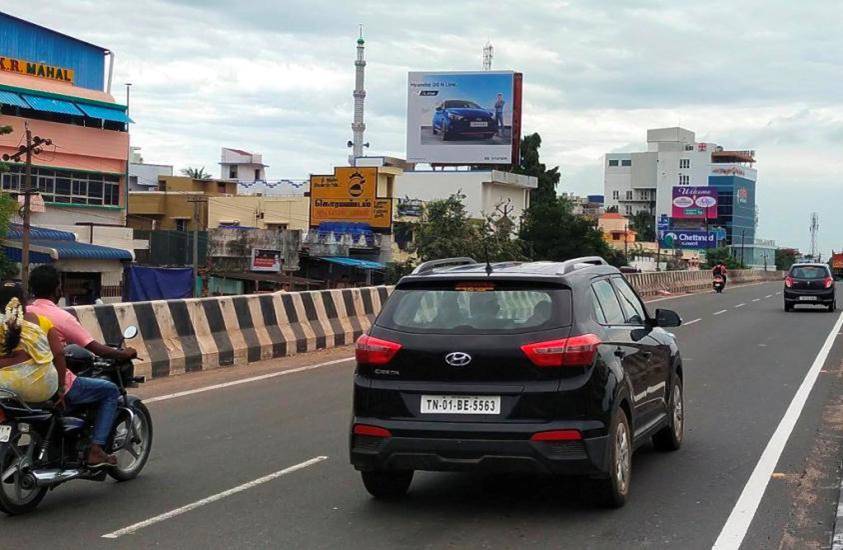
x: 809, y: 272
x: 470, y: 311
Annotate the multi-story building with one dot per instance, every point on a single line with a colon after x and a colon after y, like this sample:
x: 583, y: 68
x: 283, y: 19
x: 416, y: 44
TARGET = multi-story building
x: 242, y: 166
x: 55, y: 86
x: 143, y: 176
x: 644, y: 182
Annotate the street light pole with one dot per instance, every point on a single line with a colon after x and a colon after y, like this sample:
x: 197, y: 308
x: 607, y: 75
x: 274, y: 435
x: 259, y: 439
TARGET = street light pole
x: 128, y: 160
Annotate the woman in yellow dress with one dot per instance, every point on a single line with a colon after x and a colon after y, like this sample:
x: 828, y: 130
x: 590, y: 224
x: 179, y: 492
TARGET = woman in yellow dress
x: 31, y: 359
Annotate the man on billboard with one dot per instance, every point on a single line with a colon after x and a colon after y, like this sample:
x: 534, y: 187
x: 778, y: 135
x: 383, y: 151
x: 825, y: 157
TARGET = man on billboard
x: 499, y: 113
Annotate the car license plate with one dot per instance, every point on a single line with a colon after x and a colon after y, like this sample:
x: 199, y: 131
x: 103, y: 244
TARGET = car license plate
x: 460, y: 404
x: 808, y: 298
x: 479, y: 124
x: 5, y: 433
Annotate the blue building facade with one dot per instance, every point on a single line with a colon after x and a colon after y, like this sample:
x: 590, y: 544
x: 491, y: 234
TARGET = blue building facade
x: 736, y: 208
x: 24, y: 40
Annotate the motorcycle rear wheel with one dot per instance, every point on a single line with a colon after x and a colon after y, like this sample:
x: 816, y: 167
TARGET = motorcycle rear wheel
x: 15, y: 497
x: 131, y: 454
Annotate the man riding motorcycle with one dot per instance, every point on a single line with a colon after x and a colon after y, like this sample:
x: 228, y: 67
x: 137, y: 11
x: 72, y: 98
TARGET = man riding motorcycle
x: 45, y: 285
x: 720, y: 271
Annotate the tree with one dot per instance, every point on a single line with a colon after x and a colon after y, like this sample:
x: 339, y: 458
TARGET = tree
x: 785, y: 257
x: 716, y: 255
x: 8, y: 207
x: 549, y: 229
x: 644, y: 224
x: 196, y: 173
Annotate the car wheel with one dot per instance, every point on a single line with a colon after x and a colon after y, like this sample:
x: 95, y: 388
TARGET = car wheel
x: 446, y: 135
x: 787, y: 307
x: 670, y: 437
x: 387, y: 484
x: 832, y: 306
x: 613, y: 491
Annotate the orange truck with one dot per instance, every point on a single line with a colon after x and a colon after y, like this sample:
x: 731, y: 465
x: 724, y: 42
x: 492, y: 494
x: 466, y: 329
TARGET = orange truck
x: 837, y: 264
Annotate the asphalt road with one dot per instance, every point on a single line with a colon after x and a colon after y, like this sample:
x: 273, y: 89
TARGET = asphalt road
x: 743, y: 365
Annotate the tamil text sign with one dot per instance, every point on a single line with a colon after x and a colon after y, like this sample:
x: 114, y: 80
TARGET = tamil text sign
x: 32, y: 68
x: 266, y: 260
x: 350, y: 195
x: 464, y: 117
x: 694, y: 202
x: 688, y: 239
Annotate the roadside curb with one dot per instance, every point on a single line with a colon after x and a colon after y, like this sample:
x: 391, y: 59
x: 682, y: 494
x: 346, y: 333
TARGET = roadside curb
x: 837, y: 536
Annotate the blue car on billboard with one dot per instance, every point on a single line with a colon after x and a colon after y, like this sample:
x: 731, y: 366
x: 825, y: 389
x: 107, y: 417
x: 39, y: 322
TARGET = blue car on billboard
x: 457, y: 118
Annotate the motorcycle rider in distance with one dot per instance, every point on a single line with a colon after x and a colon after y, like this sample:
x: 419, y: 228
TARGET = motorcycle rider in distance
x: 720, y: 271
x: 45, y: 285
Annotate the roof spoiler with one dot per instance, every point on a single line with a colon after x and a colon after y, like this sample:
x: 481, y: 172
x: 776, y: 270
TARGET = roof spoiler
x: 579, y: 263
x: 433, y: 264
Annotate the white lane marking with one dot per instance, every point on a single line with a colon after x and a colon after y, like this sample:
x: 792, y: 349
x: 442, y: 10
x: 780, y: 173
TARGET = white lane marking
x: 691, y: 322
x: 768, y: 296
x: 756, y: 299
x: 739, y: 305
x: 246, y: 380
x: 779, y: 292
x: 213, y: 498
x: 739, y: 520
x: 721, y: 311
x: 702, y: 292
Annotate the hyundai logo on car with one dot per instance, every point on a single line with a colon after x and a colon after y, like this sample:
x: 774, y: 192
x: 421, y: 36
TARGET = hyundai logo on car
x: 458, y: 359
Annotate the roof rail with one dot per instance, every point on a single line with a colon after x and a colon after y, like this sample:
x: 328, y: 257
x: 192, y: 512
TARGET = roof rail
x: 433, y: 264
x: 578, y: 263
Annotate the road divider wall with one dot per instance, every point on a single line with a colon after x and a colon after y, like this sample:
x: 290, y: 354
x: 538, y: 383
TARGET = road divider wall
x: 189, y: 335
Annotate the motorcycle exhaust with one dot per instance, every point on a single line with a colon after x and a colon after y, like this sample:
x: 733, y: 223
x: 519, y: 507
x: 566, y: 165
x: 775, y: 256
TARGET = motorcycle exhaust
x: 46, y: 478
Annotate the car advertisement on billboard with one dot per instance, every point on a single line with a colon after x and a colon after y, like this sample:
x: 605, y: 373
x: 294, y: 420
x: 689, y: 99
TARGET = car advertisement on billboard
x: 349, y: 195
x: 694, y: 202
x: 688, y: 239
x: 463, y: 117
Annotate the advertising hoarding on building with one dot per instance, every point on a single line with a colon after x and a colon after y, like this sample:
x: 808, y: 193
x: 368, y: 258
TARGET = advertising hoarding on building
x: 688, y: 239
x: 694, y: 202
x: 350, y: 195
x: 463, y: 117
x: 265, y: 260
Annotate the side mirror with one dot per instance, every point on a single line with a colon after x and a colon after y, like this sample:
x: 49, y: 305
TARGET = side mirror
x: 130, y: 332
x: 667, y: 318
x: 439, y: 108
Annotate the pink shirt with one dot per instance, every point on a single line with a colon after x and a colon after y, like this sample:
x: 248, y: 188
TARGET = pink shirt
x: 69, y: 329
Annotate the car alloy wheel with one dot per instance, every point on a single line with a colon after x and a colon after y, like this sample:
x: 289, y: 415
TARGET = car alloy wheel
x: 678, y: 413
x: 623, y: 457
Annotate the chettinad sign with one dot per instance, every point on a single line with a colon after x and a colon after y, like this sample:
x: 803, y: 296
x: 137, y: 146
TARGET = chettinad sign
x: 350, y: 195
x: 38, y: 70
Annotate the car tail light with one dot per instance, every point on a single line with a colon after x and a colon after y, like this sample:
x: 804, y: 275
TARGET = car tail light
x: 374, y: 351
x: 788, y: 281
x: 371, y: 431
x: 828, y: 282
x: 557, y: 435
x: 567, y: 352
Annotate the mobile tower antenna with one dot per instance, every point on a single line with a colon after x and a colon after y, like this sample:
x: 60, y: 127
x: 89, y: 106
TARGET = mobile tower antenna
x: 488, y: 54
x: 815, y: 227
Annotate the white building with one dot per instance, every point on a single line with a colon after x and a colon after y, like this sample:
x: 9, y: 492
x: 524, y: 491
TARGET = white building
x: 243, y: 166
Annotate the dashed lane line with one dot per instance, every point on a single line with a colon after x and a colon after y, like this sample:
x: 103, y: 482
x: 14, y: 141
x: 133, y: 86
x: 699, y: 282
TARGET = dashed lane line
x: 756, y: 299
x: 721, y: 311
x: 213, y: 498
x: 691, y: 322
x: 739, y: 305
x: 768, y: 296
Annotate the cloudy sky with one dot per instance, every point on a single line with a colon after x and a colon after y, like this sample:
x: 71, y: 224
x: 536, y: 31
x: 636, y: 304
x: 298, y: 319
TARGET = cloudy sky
x: 275, y: 76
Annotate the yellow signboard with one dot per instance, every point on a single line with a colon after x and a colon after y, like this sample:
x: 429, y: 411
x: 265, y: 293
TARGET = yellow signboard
x: 39, y: 70
x: 350, y: 195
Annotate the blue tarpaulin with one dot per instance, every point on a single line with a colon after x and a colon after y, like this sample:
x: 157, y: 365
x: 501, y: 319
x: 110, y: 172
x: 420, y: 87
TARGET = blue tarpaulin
x: 158, y: 283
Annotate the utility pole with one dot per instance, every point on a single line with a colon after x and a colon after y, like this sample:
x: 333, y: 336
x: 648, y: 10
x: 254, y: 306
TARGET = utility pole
x: 196, y: 220
x: 33, y: 146
x: 128, y: 161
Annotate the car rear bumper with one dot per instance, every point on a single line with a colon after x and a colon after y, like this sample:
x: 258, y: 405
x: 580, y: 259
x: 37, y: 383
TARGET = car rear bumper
x: 823, y: 295
x: 434, y: 447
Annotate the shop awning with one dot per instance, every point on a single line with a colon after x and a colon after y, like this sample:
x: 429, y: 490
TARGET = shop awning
x: 105, y: 113
x: 11, y: 98
x: 354, y: 262
x: 52, y: 105
x: 72, y: 250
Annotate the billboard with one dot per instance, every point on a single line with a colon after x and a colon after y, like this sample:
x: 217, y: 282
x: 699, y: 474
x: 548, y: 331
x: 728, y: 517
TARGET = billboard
x: 694, y: 202
x: 464, y: 117
x: 350, y: 195
x: 266, y: 260
x: 678, y: 238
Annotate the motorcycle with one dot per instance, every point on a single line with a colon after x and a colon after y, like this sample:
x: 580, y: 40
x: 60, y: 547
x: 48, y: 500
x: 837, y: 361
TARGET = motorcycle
x: 719, y: 284
x: 42, y: 446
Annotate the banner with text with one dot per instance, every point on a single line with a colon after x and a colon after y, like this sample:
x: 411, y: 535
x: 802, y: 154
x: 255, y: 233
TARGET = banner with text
x: 350, y: 195
x: 694, y: 202
x: 688, y: 239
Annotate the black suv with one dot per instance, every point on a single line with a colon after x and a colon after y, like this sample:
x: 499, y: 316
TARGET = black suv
x: 514, y: 367
x: 809, y: 284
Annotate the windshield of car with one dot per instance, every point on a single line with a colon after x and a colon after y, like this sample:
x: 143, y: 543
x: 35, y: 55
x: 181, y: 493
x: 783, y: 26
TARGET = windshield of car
x: 809, y: 272
x: 438, y: 310
x: 459, y: 104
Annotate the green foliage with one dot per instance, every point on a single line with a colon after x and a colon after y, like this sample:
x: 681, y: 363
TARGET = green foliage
x: 8, y: 207
x: 196, y: 173
x: 785, y: 257
x: 531, y: 166
x: 644, y: 224
x: 716, y: 255
x: 396, y: 270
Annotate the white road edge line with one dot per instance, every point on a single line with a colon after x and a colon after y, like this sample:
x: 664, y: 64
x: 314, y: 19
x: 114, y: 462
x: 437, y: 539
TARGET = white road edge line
x: 739, y: 305
x: 721, y: 311
x: 245, y: 380
x: 735, y: 528
x: 213, y: 498
x: 691, y: 322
